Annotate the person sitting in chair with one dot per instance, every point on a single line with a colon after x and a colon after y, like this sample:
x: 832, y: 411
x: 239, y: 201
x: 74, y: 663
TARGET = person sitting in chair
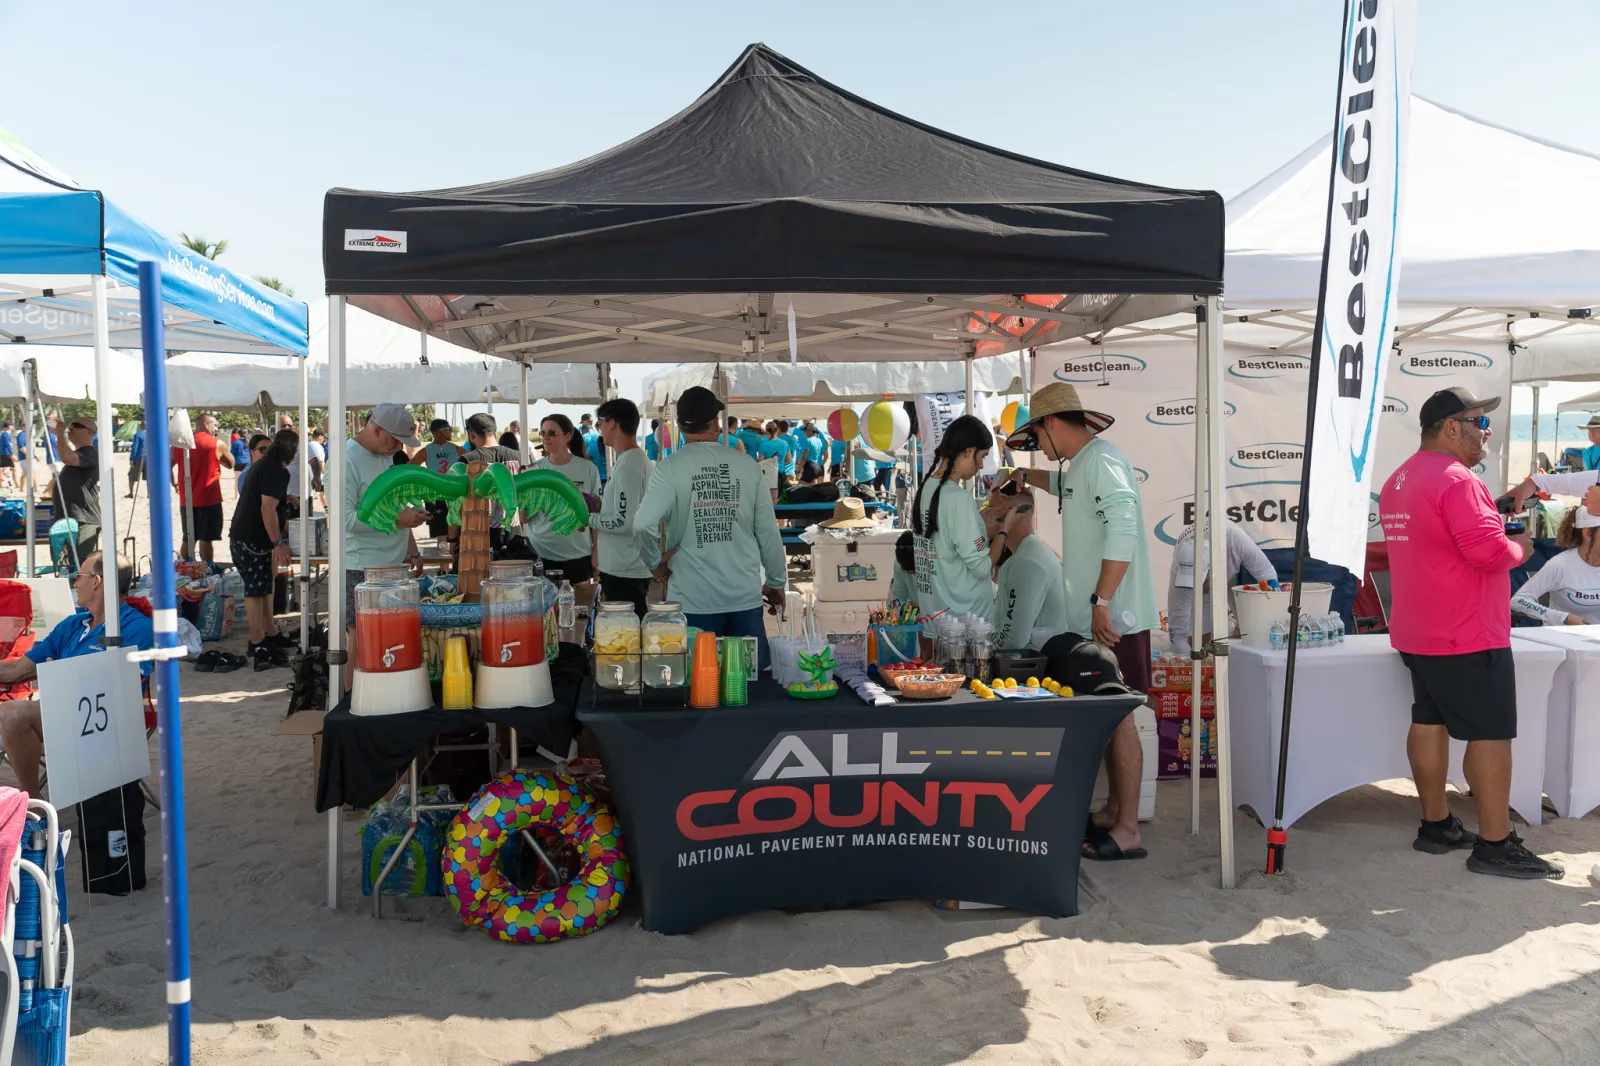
x: 21, y: 729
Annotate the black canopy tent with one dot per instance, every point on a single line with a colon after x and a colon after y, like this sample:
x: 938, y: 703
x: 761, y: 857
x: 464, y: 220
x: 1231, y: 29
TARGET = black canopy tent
x: 775, y: 187
x: 777, y: 195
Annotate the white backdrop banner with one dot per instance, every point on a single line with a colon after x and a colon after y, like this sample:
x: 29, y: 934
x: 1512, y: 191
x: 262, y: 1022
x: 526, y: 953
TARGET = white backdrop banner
x: 1360, y: 271
x: 1148, y: 388
x: 935, y: 412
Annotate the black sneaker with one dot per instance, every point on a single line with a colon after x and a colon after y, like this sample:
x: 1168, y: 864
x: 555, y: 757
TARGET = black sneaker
x: 1510, y: 858
x: 1437, y: 839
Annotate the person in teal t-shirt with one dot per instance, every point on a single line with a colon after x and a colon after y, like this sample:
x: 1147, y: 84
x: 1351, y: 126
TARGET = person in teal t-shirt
x: 1591, y: 454
x: 777, y: 446
x: 753, y: 439
x: 862, y: 469
x: 1106, y: 574
x: 951, y: 542
x: 594, y: 449
x: 652, y: 446
x: 816, y: 448
x: 723, y: 553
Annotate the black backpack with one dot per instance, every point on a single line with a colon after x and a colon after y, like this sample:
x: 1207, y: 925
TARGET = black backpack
x: 1091, y: 669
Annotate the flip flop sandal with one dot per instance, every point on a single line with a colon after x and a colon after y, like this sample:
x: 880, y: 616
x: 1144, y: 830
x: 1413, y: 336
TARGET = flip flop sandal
x: 227, y: 662
x: 1104, y: 848
x: 206, y: 662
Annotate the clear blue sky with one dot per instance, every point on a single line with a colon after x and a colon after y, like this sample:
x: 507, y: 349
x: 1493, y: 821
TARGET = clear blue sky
x: 232, y: 119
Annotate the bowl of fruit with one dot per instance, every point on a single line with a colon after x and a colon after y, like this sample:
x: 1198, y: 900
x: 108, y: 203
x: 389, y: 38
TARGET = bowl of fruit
x: 891, y: 672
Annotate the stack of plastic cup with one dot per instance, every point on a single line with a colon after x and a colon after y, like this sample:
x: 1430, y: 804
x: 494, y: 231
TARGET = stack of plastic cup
x: 457, y: 687
x: 735, y: 682
x: 703, y: 681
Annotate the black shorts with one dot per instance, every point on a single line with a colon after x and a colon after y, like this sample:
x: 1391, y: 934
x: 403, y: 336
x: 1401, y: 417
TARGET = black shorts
x: 576, y: 571
x: 207, y: 522
x: 1474, y: 696
x: 811, y: 471
x: 255, y: 566
x: 634, y: 590
x: 7, y: 461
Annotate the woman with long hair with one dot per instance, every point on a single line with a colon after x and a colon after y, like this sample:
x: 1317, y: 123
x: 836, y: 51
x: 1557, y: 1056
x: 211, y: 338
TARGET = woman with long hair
x: 564, y: 453
x: 1571, y: 579
x: 258, y: 540
x: 952, y: 547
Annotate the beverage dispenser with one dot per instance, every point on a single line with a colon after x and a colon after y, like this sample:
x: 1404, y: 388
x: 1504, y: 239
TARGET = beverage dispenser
x: 513, y: 669
x: 390, y: 677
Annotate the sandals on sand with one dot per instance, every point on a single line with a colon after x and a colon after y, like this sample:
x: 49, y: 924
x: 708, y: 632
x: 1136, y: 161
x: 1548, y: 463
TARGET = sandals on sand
x: 1103, y: 847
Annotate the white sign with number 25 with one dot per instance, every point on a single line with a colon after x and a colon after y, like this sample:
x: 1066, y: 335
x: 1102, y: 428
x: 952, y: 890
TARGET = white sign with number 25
x: 93, y: 716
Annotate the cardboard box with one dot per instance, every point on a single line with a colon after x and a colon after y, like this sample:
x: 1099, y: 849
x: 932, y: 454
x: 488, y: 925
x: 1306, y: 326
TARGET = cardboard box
x: 1181, y: 678
x: 306, y: 724
x: 1174, y: 748
x: 1169, y: 704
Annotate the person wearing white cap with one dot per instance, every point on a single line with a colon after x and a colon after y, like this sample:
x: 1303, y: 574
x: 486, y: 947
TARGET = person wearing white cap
x: 1571, y: 579
x: 1243, y: 552
x: 389, y: 429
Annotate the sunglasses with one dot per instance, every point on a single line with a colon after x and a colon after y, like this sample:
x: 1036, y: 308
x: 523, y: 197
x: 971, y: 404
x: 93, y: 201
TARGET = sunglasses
x: 1481, y: 421
x: 552, y: 433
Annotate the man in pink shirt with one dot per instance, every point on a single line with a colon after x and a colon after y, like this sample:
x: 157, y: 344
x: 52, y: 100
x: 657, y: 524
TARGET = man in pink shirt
x: 1450, y: 563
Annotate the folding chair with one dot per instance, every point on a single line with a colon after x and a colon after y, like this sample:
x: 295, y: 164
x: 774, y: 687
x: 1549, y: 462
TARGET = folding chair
x: 43, y: 954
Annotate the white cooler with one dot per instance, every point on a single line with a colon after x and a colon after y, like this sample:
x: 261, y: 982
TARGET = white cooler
x: 842, y: 616
x: 861, y: 568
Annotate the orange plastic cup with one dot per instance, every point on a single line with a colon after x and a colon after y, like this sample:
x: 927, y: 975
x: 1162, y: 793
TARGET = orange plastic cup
x: 704, y: 683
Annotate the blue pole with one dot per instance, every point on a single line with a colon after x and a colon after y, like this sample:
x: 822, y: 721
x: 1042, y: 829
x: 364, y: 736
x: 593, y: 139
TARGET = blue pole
x: 174, y: 853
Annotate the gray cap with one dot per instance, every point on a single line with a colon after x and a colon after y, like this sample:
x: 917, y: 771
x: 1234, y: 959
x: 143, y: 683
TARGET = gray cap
x: 398, y: 421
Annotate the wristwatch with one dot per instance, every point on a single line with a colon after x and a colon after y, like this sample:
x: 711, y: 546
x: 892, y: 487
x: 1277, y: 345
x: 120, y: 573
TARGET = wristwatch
x: 1096, y: 600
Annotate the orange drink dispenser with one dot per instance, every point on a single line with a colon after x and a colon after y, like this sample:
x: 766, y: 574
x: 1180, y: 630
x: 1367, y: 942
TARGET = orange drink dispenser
x: 390, y: 677
x: 513, y: 670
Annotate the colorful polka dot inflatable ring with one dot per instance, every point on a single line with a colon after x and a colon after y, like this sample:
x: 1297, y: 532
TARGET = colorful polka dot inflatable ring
x: 482, y: 895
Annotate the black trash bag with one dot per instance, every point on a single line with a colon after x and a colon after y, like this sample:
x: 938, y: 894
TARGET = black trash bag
x: 113, y: 837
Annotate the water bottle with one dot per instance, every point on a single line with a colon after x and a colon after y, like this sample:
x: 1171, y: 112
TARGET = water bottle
x: 1335, y: 629
x: 1306, y: 635
x: 538, y: 567
x: 566, y: 606
x: 1278, y: 636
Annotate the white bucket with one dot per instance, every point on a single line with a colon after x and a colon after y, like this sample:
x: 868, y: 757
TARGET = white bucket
x: 1257, y: 610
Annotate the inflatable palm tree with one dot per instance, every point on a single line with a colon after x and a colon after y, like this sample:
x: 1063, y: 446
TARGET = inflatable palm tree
x: 469, y: 490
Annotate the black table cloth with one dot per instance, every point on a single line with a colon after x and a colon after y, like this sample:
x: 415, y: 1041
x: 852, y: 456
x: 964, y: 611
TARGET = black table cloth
x: 362, y: 755
x: 786, y: 802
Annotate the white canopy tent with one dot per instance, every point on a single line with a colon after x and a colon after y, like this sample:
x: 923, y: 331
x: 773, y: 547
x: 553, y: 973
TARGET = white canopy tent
x: 385, y: 361
x: 64, y: 374
x: 842, y: 383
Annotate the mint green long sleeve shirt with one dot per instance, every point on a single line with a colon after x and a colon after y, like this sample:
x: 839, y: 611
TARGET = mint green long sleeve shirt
x: 1102, y: 517
x: 718, y: 516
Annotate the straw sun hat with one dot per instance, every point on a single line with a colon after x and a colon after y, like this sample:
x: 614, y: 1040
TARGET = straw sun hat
x: 1056, y: 398
x: 849, y: 513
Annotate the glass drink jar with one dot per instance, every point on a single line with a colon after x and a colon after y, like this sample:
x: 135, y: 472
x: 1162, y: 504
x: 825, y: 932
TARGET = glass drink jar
x: 616, y: 647
x: 388, y: 621
x: 665, y: 638
x: 513, y: 616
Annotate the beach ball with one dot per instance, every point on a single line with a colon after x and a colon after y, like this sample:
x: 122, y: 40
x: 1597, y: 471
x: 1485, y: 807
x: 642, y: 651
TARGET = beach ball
x: 1015, y: 414
x: 885, y: 426
x: 843, y: 423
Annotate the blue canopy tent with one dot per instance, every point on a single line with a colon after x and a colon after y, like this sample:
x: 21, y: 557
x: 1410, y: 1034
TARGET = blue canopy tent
x: 70, y: 273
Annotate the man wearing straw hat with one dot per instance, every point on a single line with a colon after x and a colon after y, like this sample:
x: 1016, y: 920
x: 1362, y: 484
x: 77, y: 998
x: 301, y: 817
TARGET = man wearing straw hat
x: 1105, y: 565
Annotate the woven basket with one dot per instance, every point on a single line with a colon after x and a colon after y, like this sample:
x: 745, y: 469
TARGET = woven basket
x: 930, y: 686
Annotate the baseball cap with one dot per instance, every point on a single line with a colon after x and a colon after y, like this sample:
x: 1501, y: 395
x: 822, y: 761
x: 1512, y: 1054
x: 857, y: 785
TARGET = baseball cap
x: 398, y: 421
x: 1453, y: 401
x: 698, y: 404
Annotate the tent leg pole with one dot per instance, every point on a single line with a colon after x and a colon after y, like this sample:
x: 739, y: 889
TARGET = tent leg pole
x: 105, y: 452
x: 1533, y: 459
x: 525, y: 445
x: 304, y: 576
x: 1202, y: 473
x: 1217, y: 499
x: 191, y: 543
x: 30, y: 535
x: 334, y: 481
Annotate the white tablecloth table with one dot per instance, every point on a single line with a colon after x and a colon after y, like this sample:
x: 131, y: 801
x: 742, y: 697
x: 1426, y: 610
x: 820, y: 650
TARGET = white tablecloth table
x: 1352, y: 710
x: 1572, y: 736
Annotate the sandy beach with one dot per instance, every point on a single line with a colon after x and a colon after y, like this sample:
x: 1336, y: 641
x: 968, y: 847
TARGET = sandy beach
x: 1365, y: 952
